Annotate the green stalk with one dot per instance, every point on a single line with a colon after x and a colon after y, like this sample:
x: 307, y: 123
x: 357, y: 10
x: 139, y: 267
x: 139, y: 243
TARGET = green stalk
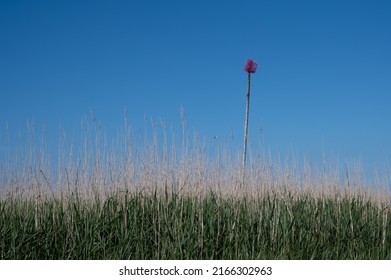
x: 246, y: 126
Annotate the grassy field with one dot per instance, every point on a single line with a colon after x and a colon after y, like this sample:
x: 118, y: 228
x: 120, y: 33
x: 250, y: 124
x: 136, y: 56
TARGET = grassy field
x: 170, y: 226
x: 156, y: 201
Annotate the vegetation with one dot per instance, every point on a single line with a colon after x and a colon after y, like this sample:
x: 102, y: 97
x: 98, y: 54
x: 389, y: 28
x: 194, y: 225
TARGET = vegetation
x: 161, y: 203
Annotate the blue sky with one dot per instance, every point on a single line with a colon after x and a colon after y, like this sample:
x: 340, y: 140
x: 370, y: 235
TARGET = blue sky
x: 323, y: 84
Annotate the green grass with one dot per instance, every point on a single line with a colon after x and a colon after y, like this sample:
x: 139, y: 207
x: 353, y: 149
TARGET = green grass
x: 166, y: 225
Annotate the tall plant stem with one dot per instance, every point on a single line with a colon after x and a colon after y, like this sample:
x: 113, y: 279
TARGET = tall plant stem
x: 246, y: 127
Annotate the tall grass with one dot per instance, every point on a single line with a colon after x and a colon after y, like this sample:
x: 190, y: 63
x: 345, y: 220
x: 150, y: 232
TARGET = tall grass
x: 160, y: 196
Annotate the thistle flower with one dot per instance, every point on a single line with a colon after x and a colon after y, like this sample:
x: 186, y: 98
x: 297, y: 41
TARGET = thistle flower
x: 250, y: 66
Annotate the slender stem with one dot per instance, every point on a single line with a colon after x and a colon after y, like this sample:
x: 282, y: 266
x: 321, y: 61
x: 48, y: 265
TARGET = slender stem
x: 246, y: 126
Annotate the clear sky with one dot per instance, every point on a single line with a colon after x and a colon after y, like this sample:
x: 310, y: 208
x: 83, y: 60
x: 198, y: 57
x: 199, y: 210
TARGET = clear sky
x: 323, y: 84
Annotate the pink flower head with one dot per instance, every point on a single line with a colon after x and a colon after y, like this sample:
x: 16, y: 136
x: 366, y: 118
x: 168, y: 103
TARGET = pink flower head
x: 250, y: 66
